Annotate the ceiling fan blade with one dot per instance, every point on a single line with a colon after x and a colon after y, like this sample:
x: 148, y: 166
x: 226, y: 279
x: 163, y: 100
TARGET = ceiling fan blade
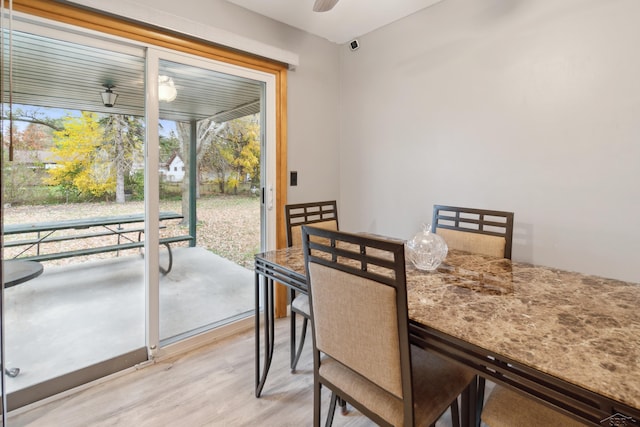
x: 324, y: 5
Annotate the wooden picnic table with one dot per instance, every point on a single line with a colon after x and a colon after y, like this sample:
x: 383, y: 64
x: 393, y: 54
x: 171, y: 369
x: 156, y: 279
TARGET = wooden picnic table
x: 53, y: 231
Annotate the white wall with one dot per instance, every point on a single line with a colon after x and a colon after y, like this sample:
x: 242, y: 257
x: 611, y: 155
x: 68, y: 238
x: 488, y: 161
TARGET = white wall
x: 312, y: 86
x: 530, y: 106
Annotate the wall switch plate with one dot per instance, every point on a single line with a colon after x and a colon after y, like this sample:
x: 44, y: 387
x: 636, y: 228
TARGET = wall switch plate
x: 293, y: 178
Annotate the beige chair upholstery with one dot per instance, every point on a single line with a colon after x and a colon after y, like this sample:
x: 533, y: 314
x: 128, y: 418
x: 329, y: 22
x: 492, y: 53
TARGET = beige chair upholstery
x: 474, y: 242
x: 433, y: 381
x: 296, y: 231
x: 319, y: 214
x: 506, y: 408
x: 360, y: 327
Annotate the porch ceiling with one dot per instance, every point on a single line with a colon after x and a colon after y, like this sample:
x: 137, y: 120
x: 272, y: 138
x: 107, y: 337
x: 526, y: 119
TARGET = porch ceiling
x: 49, y: 72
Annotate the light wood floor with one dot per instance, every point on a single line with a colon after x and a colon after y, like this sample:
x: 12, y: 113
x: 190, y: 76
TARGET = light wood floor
x: 210, y: 386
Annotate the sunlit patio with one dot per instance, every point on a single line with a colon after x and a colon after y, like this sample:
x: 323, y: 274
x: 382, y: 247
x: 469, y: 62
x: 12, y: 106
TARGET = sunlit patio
x: 76, y: 315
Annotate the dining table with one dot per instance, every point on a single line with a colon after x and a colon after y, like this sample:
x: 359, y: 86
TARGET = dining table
x: 566, y: 339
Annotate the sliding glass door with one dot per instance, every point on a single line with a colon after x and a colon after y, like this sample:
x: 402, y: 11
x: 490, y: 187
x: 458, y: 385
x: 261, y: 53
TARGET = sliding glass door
x: 211, y: 140
x: 152, y: 167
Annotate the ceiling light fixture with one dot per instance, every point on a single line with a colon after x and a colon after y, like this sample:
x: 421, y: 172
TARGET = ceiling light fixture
x: 108, y: 96
x: 166, y: 89
x: 324, y: 5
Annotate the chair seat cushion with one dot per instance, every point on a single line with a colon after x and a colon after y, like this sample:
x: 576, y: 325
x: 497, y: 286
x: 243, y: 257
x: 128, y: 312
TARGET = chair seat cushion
x: 300, y: 305
x: 436, y: 383
x: 506, y: 408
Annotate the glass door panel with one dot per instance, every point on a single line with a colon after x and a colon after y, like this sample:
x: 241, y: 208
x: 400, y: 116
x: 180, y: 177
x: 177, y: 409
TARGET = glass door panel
x: 210, y: 154
x: 71, y: 172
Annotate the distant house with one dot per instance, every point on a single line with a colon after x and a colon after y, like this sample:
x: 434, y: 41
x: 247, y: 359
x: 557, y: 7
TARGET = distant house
x: 173, y: 171
x: 36, y: 159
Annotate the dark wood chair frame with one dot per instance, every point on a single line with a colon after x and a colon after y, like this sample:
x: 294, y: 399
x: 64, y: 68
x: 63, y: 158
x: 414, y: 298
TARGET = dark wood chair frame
x: 307, y: 214
x: 297, y: 215
x: 359, y: 263
x: 338, y: 260
x: 473, y: 220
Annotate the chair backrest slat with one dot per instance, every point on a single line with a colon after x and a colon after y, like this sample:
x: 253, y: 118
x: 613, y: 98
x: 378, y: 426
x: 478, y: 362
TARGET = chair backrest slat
x: 484, y: 231
x: 321, y: 214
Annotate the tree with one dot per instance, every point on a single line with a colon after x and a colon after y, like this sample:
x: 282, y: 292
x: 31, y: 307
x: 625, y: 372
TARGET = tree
x: 168, y: 146
x: 230, y: 150
x: 37, y: 134
x: 34, y: 116
x: 205, y: 132
x: 214, y: 160
x: 36, y: 137
x: 95, y: 155
x: 234, y: 153
x: 123, y: 140
x: 83, y: 165
x: 244, y: 137
x: 23, y: 170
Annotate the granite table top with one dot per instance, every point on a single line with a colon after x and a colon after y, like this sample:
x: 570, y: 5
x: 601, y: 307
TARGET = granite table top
x: 580, y: 328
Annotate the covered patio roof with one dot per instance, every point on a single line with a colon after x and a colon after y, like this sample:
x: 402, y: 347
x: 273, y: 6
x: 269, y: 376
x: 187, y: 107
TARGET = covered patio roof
x: 60, y: 72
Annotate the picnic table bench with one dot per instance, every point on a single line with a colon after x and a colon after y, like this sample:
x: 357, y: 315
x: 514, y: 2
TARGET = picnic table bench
x: 124, y: 227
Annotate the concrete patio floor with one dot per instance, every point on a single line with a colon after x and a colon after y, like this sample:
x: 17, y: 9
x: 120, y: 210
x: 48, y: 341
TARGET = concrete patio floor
x: 76, y: 315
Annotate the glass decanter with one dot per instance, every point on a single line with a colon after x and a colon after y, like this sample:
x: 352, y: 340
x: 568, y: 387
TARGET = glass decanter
x: 426, y: 249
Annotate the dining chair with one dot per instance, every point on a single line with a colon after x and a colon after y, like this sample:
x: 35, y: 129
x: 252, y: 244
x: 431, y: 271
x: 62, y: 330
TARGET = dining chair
x: 320, y: 214
x: 490, y: 232
x: 360, y: 331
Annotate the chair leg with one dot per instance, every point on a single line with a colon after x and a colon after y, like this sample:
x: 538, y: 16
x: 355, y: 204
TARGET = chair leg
x: 480, y: 398
x: 481, y: 386
x: 332, y: 409
x: 292, y: 331
x: 343, y: 406
x: 455, y: 413
x: 303, y: 335
x: 316, y: 403
x: 469, y: 415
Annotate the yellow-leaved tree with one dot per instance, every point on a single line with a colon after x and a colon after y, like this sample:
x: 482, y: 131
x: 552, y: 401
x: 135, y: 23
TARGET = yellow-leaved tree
x: 243, y: 145
x: 233, y: 153
x: 83, y: 163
